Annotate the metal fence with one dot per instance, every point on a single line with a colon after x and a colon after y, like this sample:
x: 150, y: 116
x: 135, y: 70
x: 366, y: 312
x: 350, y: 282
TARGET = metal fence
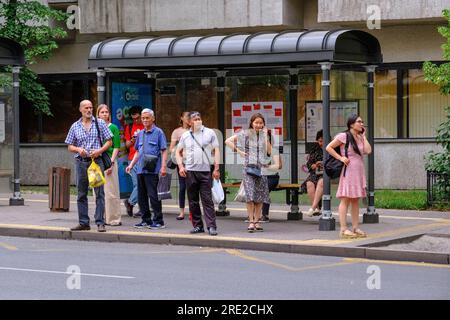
x: 438, y: 188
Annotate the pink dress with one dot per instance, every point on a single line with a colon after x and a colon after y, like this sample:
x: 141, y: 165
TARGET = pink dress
x: 353, y: 185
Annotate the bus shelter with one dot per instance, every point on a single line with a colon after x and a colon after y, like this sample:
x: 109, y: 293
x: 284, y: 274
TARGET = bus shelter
x: 283, y: 57
x: 11, y: 55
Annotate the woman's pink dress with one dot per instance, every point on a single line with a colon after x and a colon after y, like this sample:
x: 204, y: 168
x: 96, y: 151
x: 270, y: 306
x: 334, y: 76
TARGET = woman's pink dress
x: 353, y: 185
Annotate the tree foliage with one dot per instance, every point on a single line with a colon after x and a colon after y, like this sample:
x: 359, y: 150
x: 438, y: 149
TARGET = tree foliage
x: 32, y: 25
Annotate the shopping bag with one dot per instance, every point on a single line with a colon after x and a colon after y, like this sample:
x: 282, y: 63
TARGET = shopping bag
x: 164, y: 187
x: 217, y: 191
x: 95, y: 175
x: 240, y: 196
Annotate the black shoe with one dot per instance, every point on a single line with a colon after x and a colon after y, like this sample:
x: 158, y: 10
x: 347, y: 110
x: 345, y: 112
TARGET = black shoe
x: 212, y: 231
x: 129, y: 207
x: 180, y: 218
x: 80, y: 227
x: 264, y: 218
x: 197, y: 230
x: 101, y: 228
x: 138, y: 214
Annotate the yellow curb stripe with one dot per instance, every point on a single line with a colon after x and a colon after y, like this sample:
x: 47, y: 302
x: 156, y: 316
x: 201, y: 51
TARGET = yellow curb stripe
x: 8, y: 246
x: 240, y: 254
x: 402, y: 263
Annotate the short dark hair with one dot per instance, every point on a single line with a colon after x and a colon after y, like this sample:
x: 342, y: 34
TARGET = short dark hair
x: 135, y: 109
x: 319, y: 134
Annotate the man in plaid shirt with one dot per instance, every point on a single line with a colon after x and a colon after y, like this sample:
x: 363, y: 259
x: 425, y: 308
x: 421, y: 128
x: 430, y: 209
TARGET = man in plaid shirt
x: 83, y: 140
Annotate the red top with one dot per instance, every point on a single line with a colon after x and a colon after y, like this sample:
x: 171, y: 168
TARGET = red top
x: 134, y: 131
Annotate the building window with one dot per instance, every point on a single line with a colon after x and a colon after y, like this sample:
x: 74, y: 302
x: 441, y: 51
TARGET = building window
x: 426, y: 105
x: 385, y: 104
x: 65, y: 93
x: 173, y: 96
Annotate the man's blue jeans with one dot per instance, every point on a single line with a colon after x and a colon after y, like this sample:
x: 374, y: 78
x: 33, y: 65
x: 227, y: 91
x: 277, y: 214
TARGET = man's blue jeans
x: 82, y: 200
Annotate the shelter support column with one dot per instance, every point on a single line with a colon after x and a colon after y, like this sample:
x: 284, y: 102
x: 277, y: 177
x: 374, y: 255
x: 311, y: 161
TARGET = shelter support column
x: 326, y: 221
x: 101, y: 89
x: 371, y: 216
x: 16, y: 199
x: 294, y: 213
x: 221, y: 79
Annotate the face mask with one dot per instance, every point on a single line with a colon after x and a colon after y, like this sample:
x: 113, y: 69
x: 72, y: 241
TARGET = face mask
x: 198, y: 125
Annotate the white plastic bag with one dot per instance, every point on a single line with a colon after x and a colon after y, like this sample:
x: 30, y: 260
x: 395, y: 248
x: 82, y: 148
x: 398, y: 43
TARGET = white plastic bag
x: 217, y: 191
x: 240, y: 196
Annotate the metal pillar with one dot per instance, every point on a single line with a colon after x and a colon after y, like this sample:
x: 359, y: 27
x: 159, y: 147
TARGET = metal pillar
x: 16, y: 199
x: 370, y: 216
x: 326, y: 221
x: 294, y: 213
x: 101, y: 89
x: 221, y: 74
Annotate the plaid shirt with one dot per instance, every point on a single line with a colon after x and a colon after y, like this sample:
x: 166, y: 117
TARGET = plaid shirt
x: 89, y: 141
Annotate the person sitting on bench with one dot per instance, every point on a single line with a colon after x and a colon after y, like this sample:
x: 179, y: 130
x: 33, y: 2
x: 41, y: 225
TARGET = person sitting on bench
x: 313, y: 185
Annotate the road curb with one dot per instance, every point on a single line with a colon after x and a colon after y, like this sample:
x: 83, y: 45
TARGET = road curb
x: 282, y: 246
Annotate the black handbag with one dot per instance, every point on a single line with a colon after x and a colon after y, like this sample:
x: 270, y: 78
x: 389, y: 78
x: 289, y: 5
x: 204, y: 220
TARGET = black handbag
x: 149, y: 161
x: 253, y: 171
x: 333, y: 166
x: 106, y: 159
x: 171, y: 164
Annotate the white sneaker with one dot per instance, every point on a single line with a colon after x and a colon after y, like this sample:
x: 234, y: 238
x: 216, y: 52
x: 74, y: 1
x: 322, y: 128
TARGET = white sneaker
x: 310, y: 212
x: 317, y: 212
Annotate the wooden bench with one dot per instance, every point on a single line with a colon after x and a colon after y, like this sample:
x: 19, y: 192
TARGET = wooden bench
x: 291, y: 189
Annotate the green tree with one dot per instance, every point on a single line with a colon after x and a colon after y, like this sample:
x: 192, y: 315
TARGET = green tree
x: 30, y: 24
x: 439, y: 162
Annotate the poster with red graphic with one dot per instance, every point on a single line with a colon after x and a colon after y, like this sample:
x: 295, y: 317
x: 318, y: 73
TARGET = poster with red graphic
x: 272, y: 112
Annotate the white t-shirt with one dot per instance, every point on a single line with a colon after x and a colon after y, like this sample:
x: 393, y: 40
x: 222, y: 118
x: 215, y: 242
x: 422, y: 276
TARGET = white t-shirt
x: 195, y: 158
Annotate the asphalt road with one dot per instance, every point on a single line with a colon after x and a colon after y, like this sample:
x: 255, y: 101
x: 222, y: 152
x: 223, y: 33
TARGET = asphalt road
x: 47, y: 269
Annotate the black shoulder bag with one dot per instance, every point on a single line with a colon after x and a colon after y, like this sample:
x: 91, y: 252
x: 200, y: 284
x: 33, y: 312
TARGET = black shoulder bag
x: 333, y: 166
x: 107, y: 163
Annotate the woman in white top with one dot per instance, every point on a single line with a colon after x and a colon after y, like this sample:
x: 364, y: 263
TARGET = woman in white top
x: 176, y: 135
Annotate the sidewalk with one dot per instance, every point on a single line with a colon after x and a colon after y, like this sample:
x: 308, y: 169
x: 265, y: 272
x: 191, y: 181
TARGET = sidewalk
x: 280, y: 235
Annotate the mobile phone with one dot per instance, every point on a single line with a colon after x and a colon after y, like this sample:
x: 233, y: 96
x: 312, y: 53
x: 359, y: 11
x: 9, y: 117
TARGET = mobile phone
x: 363, y: 130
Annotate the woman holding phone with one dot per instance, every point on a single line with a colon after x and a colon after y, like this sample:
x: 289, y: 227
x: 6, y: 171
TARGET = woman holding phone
x: 352, y: 186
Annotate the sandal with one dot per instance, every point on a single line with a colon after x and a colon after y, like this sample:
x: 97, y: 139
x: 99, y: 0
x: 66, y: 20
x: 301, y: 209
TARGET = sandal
x: 347, y: 234
x: 359, y: 233
x: 258, y: 226
x: 251, y: 227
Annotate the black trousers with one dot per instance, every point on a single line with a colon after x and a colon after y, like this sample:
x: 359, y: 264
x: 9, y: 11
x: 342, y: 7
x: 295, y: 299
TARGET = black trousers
x: 272, y: 181
x: 199, y: 185
x: 147, y: 189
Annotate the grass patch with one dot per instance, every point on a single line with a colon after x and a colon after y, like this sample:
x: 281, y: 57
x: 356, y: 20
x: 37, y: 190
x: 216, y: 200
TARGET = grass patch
x: 396, y: 199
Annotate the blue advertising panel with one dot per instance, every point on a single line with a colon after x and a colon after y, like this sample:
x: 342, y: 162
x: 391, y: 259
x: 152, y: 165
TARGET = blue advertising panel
x: 124, y: 96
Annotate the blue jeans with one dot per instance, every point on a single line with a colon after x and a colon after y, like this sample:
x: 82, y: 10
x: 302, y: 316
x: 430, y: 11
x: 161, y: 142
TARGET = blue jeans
x: 134, y: 194
x: 82, y: 200
x: 147, y: 188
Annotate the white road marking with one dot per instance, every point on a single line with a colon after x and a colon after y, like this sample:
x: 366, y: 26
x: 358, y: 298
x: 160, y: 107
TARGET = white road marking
x: 67, y: 273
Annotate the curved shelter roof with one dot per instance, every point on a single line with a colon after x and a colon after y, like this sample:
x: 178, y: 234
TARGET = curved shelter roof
x: 11, y: 53
x: 235, y: 50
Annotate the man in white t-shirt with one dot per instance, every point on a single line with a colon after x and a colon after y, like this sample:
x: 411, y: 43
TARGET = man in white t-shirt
x: 200, y: 147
